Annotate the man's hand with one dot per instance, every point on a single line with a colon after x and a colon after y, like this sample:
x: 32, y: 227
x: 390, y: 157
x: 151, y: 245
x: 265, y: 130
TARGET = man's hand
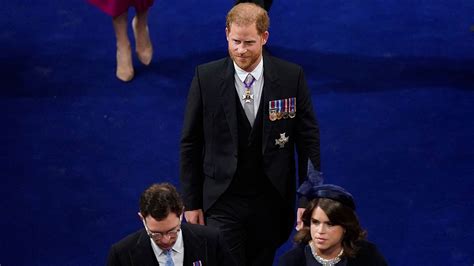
x: 299, y: 222
x: 194, y: 216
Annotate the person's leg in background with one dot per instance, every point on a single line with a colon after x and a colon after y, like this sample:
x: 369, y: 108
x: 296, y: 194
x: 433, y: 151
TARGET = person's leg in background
x: 143, y: 45
x: 125, y: 70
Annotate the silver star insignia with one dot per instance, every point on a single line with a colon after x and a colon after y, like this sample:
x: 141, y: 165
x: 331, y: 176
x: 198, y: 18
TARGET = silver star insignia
x: 282, y: 140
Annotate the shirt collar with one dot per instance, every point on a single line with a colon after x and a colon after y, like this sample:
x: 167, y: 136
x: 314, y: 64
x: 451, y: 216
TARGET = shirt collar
x: 256, y: 73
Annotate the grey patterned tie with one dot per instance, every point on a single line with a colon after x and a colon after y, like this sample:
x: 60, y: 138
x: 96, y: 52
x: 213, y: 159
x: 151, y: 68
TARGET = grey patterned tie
x: 248, y: 99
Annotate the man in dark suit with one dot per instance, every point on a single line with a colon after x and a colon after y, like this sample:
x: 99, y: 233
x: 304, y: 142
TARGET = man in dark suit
x: 164, y: 240
x: 245, y: 115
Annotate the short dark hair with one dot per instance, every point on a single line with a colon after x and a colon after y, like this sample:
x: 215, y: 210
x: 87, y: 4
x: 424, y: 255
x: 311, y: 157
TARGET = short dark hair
x: 338, y: 214
x: 159, y: 200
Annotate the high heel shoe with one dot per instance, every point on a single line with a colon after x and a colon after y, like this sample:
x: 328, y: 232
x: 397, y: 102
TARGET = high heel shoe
x: 143, y: 46
x: 125, y: 70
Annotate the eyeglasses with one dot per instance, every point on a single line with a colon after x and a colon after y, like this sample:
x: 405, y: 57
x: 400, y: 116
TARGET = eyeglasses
x: 157, y: 236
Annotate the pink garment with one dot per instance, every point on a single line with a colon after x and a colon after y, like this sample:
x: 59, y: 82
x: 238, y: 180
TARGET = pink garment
x: 116, y: 7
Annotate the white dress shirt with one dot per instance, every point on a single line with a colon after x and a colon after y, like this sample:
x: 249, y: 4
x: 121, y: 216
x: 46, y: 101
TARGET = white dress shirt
x: 177, y: 251
x: 257, y: 86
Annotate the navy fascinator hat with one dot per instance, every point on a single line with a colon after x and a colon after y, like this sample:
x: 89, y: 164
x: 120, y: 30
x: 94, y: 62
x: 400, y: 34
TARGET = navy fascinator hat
x: 328, y: 191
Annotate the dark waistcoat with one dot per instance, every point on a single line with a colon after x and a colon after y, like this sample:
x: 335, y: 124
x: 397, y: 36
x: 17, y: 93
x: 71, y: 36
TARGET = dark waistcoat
x: 249, y: 179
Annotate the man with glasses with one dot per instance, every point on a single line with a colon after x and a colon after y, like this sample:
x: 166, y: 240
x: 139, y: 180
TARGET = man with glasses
x: 164, y: 240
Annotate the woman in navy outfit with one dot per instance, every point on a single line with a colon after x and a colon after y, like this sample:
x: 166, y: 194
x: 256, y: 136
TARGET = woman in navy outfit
x: 331, y: 233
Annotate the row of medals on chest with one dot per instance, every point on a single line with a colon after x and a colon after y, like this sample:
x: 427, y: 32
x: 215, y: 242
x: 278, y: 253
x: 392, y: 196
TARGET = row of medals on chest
x: 273, y: 113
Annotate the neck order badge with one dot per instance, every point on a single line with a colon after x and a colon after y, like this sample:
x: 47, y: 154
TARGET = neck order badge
x: 248, y: 82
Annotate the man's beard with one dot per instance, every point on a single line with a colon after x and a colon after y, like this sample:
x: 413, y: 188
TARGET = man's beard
x: 249, y: 61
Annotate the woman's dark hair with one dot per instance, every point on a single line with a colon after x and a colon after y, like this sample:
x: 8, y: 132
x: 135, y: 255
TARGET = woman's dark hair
x: 338, y: 214
x: 160, y: 200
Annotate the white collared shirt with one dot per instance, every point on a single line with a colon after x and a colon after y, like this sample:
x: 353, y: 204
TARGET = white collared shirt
x: 257, y: 86
x: 177, y: 251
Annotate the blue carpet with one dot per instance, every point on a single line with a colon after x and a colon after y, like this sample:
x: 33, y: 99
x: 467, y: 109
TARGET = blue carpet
x: 393, y: 88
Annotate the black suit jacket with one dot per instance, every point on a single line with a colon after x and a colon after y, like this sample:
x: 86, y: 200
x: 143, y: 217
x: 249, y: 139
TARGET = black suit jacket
x: 200, y: 243
x: 368, y: 255
x: 209, y: 143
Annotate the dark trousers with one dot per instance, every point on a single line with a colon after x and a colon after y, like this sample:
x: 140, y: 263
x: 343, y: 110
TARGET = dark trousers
x: 253, y: 227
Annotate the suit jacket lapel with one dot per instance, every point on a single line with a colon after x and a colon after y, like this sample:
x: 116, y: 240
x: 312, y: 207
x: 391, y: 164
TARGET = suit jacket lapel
x: 194, y: 247
x: 143, y: 253
x: 271, y: 91
x: 227, y: 94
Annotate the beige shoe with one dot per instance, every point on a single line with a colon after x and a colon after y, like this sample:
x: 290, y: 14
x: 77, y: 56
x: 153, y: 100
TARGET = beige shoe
x: 144, y: 48
x: 124, y: 64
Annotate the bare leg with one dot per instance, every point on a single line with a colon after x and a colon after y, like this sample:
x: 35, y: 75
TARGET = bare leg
x: 143, y: 47
x: 124, y: 54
